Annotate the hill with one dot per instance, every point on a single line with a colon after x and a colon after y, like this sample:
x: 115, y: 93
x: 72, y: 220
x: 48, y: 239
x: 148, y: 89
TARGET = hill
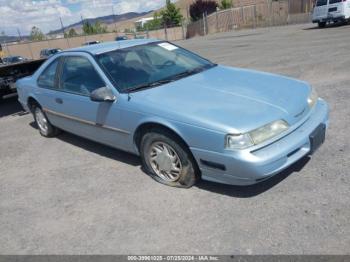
x: 106, y: 20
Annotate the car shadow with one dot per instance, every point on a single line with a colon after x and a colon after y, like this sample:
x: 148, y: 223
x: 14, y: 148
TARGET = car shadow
x: 10, y: 106
x: 333, y: 25
x: 229, y: 190
x: 253, y: 190
x: 97, y: 148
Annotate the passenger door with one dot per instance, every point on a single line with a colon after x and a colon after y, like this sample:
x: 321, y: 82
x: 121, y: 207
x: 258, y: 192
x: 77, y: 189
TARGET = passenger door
x: 335, y: 8
x: 72, y: 108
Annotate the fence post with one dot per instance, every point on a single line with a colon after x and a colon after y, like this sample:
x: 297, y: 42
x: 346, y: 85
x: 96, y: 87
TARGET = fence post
x: 254, y: 16
x: 242, y: 16
x: 288, y: 16
x: 232, y: 19
x: 8, y: 50
x: 183, y: 30
x: 269, y: 6
x: 204, y: 25
x: 165, y: 32
x: 217, y: 20
x: 30, y: 50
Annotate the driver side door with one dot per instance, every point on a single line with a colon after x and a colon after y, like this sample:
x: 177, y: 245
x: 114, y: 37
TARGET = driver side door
x: 73, y: 110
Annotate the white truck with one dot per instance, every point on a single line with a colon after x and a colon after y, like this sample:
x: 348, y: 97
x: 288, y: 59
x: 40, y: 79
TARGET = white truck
x: 326, y: 11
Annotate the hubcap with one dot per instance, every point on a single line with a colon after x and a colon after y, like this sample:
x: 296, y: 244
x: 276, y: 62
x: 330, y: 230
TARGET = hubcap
x: 41, y: 120
x: 165, y: 162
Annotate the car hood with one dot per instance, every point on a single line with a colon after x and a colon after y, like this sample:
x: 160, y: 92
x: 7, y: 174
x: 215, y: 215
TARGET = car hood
x: 230, y: 99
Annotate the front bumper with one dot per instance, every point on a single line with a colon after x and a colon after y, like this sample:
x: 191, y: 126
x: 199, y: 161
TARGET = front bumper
x: 247, y: 167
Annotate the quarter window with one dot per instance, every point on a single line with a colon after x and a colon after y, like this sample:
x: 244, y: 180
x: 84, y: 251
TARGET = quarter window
x: 48, y: 77
x: 79, y: 76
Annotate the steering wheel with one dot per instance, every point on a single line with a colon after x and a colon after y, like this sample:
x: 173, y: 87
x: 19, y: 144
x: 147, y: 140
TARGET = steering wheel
x: 167, y: 63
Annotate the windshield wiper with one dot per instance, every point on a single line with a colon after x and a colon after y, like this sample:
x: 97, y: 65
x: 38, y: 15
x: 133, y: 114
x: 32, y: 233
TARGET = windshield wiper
x: 192, y: 71
x: 148, y: 85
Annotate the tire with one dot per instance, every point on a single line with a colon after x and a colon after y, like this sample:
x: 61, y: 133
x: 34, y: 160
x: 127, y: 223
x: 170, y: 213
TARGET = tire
x: 173, y: 150
x: 43, y: 123
x: 322, y: 24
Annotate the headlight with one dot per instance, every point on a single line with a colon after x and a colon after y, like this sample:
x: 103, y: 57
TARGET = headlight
x: 256, y: 136
x: 312, y: 99
x: 238, y: 141
x: 268, y: 131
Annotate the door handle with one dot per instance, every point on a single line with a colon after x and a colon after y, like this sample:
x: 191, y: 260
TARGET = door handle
x: 59, y: 100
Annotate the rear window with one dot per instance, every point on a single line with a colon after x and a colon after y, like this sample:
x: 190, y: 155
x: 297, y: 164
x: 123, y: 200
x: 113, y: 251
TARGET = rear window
x: 321, y: 2
x: 335, y: 1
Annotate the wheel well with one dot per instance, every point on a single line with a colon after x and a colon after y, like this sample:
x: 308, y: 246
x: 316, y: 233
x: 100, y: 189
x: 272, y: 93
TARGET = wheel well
x: 31, y: 103
x: 149, y: 127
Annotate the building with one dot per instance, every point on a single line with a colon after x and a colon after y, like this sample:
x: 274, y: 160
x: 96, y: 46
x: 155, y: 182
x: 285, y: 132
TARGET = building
x: 141, y: 22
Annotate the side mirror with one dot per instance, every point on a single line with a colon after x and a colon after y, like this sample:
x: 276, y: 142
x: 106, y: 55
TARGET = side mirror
x: 102, y: 94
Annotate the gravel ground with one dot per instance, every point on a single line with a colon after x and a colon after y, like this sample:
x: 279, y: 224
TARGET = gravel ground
x: 68, y: 195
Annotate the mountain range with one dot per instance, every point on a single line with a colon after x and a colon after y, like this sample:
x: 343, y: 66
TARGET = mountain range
x: 109, y: 19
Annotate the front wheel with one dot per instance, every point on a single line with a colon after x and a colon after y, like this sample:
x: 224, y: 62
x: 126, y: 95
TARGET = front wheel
x: 44, y: 126
x: 167, y: 160
x: 321, y: 24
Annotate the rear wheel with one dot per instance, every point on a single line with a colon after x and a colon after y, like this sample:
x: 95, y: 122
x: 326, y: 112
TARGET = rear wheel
x: 167, y: 160
x: 44, y: 126
x: 321, y: 24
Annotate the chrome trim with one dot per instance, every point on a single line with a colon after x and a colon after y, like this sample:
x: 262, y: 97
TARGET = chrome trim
x: 86, y: 121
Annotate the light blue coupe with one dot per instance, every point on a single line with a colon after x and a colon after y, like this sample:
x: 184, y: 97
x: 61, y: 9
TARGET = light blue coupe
x: 187, y: 117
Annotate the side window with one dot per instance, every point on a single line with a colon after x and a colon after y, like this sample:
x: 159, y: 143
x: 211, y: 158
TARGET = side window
x: 79, y: 76
x: 47, y: 78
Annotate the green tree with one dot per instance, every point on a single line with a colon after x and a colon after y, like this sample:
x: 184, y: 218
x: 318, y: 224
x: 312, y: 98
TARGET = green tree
x: 72, y: 32
x: 97, y: 28
x: 88, y: 28
x: 154, y: 24
x: 171, y: 15
x: 200, y: 7
x: 36, y: 34
x: 226, y: 4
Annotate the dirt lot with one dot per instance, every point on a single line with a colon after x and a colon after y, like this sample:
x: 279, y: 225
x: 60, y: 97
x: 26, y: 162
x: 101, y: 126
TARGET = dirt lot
x: 68, y: 195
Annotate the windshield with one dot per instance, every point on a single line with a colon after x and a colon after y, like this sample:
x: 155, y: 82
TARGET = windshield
x: 321, y: 2
x: 149, y: 65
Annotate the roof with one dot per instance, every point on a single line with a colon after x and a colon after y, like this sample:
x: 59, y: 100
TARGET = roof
x: 110, y: 46
x: 145, y: 19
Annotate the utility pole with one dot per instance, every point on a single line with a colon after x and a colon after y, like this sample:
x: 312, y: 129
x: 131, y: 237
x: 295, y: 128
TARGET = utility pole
x: 82, y: 26
x: 19, y: 34
x: 115, y: 23
x: 63, y: 32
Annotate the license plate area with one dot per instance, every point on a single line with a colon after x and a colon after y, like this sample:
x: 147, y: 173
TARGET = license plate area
x: 317, y: 138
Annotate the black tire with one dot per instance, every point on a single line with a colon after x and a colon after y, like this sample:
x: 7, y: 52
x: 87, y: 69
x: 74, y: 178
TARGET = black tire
x: 322, y: 24
x: 51, y: 130
x: 188, y: 175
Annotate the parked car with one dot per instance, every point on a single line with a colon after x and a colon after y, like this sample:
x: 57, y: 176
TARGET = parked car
x: 45, y: 53
x: 121, y: 38
x: 184, y: 115
x: 331, y: 11
x: 92, y: 43
x: 13, y: 59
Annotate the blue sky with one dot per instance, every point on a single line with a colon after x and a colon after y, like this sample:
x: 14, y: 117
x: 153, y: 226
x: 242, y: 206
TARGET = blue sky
x: 45, y: 14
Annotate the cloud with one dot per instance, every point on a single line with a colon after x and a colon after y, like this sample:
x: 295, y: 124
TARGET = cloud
x: 45, y: 14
